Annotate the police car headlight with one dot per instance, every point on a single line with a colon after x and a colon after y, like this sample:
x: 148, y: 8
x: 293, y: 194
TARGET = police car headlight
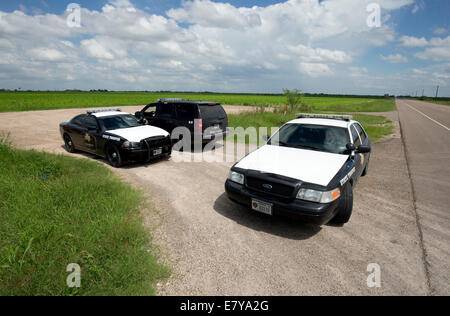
x: 131, y: 145
x: 236, y: 177
x: 318, y: 196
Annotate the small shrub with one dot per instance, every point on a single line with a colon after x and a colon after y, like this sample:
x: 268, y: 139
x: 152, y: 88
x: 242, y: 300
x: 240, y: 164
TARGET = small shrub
x: 295, y: 102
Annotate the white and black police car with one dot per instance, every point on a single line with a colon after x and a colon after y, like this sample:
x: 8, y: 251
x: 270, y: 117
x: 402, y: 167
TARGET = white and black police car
x: 116, y: 136
x: 307, y: 170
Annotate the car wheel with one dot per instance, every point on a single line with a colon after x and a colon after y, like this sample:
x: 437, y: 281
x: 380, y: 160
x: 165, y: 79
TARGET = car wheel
x: 345, y: 207
x: 68, y: 144
x: 114, y: 157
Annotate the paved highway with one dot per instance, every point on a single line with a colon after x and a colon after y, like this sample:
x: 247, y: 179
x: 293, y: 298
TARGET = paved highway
x: 426, y: 134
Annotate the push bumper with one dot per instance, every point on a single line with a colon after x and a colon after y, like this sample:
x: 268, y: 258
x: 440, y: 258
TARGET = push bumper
x: 315, y: 213
x: 143, y: 155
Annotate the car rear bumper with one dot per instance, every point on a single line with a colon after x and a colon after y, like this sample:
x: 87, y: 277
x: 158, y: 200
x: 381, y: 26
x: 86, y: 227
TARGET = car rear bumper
x: 310, y: 212
x: 215, y: 136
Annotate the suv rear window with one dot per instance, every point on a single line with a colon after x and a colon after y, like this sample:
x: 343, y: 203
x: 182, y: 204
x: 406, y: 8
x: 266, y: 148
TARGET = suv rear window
x: 210, y: 112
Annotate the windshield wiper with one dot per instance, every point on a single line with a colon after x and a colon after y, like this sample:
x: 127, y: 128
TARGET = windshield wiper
x: 279, y: 143
x: 308, y: 147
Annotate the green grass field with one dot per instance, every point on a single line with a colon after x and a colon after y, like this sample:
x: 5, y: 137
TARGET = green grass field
x: 29, y: 101
x: 81, y: 213
x: 376, y: 126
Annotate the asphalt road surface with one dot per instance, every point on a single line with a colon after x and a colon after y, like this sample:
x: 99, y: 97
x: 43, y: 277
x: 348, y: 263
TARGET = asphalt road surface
x: 219, y: 248
x: 426, y: 132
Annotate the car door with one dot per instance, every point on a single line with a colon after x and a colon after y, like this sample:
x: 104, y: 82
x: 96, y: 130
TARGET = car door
x: 185, y: 115
x: 91, y: 133
x: 148, y: 113
x: 358, y: 158
x: 77, y: 131
x: 364, y: 141
x: 164, y: 116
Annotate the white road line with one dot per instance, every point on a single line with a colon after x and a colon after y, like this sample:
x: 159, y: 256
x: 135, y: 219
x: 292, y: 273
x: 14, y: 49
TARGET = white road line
x: 448, y: 129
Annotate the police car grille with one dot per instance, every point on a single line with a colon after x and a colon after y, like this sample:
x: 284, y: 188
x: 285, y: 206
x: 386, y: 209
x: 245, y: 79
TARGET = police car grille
x: 156, y: 141
x: 269, y: 187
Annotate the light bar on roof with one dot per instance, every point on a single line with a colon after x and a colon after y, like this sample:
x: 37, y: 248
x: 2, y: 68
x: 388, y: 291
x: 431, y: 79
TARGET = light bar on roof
x: 171, y: 100
x: 103, y: 110
x: 325, y: 116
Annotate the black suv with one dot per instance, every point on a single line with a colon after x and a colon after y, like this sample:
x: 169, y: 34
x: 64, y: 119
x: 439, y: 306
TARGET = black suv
x: 203, y: 119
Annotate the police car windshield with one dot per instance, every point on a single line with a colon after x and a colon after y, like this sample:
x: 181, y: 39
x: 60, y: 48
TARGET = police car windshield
x: 312, y: 137
x: 110, y: 123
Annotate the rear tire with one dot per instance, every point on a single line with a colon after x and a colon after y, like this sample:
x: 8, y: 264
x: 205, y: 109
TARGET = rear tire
x: 68, y: 144
x: 114, y: 157
x: 345, y: 207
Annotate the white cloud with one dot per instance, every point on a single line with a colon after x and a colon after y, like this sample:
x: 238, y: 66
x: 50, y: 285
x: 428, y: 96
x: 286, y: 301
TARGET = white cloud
x: 46, y: 54
x: 94, y: 49
x: 126, y: 4
x: 419, y: 71
x: 315, y: 69
x: 358, y: 72
x: 440, y: 31
x: 308, y: 54
x: 411, y: 41
x: 439, y: 50
x: 395, y: 58
x: 215, y: 14
x: 419, y: 5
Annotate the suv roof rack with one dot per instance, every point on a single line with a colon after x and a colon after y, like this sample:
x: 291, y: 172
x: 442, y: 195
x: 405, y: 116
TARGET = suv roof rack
x: 326, y: 116
x: 103, y: 110
x: 171, y: 100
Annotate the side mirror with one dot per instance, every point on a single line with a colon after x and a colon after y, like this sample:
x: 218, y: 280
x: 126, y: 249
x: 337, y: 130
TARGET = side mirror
x: 265, y: 138
x: 138, y: 115
x: 350, y: 147
x: 363, y: 149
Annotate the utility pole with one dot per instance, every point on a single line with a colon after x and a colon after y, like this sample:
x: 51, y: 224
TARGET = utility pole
x: 423, y: 92
x: 437, y: 93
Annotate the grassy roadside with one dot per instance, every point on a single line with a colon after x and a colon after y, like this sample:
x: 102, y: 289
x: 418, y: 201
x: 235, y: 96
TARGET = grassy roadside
x: 441, y: 101
x: 376, y: 126
x: 30, y: 101
x: 447, y: 103
x: 80, y: 213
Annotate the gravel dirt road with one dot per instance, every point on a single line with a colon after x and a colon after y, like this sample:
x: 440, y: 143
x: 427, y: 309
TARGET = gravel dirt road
x: 219, y: 248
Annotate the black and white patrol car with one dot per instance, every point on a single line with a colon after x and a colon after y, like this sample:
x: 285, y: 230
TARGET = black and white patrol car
x: 116, y: 136
x: 307, y: 170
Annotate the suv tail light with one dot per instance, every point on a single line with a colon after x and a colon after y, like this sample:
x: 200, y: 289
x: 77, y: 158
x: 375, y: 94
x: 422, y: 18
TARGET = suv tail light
x: 198, y: 126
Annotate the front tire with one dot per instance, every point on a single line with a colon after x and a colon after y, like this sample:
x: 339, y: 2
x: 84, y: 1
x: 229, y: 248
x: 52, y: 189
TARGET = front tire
x: 114, y: 157
x: 345, y: 208
x: 68, y: 144
x: 366, y: 169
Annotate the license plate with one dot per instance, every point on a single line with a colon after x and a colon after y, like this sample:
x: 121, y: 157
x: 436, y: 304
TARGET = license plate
x: 262, y: 207
x: 157, y: 152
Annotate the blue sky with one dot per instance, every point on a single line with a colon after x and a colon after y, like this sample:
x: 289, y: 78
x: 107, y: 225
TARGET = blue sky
x: 229, y: 46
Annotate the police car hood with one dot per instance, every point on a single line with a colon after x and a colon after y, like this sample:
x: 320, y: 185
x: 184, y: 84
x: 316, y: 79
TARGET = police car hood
x: 305, y: 165
x: 136, y: 134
